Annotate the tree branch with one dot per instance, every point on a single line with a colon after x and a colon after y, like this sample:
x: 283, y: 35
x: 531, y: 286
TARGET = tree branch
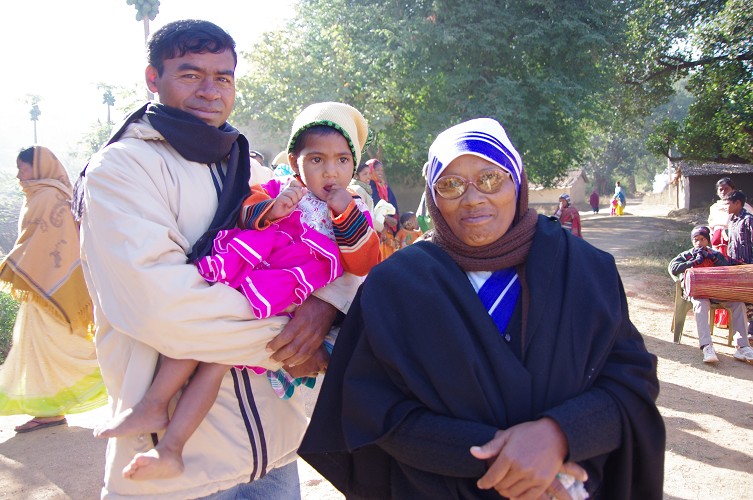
x: 669, y: 65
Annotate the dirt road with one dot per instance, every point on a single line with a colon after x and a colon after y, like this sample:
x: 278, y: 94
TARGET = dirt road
x: 708, y: 409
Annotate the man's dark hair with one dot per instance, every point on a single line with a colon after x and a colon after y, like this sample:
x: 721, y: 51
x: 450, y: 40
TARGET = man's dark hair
x: 735, y: 196
x: 27, y: 155
x: 178, y: 38
x: 725, y: 181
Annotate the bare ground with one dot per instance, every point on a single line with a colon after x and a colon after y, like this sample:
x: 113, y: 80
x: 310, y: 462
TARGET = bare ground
x: 708, y: 410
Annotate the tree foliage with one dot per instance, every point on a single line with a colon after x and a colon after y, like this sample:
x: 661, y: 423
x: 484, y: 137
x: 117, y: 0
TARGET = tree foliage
x: 711, y: 42
x: 543, y: 68
x: 145, y: 9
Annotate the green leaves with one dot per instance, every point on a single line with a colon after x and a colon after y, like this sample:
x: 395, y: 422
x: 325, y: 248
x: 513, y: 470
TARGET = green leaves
x: 415, y: 68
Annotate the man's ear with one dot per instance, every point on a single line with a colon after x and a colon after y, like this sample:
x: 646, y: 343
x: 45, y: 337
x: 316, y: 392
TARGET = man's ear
x: 152, y: 76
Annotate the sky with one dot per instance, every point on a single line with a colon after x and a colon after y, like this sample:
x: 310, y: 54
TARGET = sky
x: 61, y: 50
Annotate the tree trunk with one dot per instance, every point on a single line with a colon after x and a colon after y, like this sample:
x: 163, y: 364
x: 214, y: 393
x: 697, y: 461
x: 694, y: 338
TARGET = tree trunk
x: 149, y: 95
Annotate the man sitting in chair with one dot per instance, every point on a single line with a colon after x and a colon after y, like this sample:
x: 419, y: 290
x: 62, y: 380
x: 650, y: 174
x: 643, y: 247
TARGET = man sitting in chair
x: 702, y: 255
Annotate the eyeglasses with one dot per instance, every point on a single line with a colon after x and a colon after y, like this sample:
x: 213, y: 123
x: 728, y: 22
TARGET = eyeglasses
x: 451, y: 187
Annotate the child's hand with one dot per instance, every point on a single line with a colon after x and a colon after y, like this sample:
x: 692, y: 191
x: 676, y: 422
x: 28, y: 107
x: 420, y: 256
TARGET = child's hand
x: 390, y: 221
x: 338, y: 199
x: 286, y: 201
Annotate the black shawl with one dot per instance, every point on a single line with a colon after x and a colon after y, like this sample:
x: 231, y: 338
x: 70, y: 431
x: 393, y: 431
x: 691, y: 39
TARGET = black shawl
x: 438, y: 354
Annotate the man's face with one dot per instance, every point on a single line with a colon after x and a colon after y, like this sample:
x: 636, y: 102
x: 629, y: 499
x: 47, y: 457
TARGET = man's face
x: 201, y: 84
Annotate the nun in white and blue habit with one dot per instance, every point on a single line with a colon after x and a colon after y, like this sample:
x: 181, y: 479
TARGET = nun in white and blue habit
x: 544, y: 332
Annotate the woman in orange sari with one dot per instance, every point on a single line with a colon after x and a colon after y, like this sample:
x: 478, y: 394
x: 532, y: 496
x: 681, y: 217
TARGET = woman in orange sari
x: 51, y: 369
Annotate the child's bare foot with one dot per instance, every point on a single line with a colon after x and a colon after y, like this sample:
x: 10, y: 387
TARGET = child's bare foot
x: 154, y: 464
x: 143, y: 417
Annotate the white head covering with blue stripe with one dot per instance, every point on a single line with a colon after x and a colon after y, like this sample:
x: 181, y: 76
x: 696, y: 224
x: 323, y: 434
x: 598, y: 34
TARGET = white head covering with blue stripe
x: 483, y: 137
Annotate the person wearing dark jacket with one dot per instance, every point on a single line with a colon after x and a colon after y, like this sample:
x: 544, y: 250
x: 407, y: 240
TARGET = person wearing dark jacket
x: 520, y: 378
x: 702, y: 255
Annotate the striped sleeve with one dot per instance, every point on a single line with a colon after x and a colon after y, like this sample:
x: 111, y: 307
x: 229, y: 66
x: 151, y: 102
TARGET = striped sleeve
x: 357, y: 241
x: 255, y: 206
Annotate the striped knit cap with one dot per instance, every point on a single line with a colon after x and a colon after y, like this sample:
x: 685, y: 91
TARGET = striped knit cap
x: 346, y: 119
x: 483, y: 137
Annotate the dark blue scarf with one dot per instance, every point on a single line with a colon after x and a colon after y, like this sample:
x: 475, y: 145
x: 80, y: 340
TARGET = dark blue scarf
x: 198, y: 142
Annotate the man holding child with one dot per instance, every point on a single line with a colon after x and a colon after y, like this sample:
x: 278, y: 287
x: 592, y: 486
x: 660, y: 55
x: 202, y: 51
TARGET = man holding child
x: 172, y: 176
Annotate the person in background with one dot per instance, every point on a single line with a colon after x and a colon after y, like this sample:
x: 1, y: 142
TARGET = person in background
x: 151, y: 202
x: 422, y: 212
x: 719, y: 215
x: 521, y: 369
x: 740, y: 238
x: 702, y: 255
x: 593, y: 200
x: 409, y: 230
x: 619, y: 196
x: 361, y: 186
x: 51, y: 369
x: 382, y: 191
x: 568, y: 215
x: 255, y: 155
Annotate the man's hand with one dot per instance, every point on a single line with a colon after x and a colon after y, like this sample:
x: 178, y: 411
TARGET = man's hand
x: 338, y: 199
x: 304, y: 334
x: 286, y: 201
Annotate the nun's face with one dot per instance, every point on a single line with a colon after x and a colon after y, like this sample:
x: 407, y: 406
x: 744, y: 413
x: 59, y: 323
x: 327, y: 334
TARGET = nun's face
x: 478, y: 218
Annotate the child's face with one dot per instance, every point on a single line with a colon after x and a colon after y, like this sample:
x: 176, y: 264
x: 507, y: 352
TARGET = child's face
x: 324, y: 161
x: 410, y: 224
x: 700, y: 241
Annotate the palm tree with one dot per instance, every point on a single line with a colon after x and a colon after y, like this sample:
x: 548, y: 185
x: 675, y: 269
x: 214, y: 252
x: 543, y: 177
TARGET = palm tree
x: 33, y: 101
x: 107, y: 98
x: 145, y: 10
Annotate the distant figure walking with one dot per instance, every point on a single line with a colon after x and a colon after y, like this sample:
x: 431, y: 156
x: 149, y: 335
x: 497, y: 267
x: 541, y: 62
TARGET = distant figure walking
x: 593, y: 200
x: 52, y: 368
x: 619, y: 197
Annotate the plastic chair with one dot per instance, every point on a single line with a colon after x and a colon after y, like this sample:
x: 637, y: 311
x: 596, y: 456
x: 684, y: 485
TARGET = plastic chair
x: 682, y: 306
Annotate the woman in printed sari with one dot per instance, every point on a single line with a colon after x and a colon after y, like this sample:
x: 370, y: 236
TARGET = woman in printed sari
x: 523, y: 379
x: 52, y: 368
x: 380, y: 190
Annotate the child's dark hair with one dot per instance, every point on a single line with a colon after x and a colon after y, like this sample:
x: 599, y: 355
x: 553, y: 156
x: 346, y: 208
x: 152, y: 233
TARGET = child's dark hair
x: 321, y: 130
x: 406, y: 216
x: 736, y: 195
x: 27, y: 155
x: 178, y: 38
